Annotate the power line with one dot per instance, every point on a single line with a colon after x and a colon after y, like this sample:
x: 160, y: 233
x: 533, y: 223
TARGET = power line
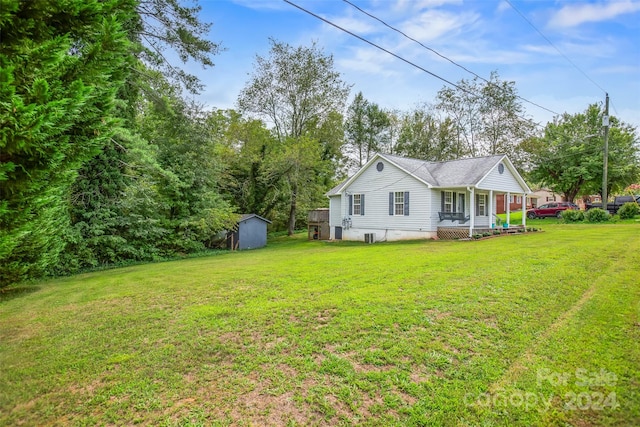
x: 554, y: 46
x: 378, y: 47
x: 443, y: 56
x: 399, y: 57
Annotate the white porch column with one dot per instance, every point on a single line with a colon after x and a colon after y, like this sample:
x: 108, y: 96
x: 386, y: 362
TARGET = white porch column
x: 508, y: 203
x: 524, y: 211
x: 491, y: 208
x: 472, y: 211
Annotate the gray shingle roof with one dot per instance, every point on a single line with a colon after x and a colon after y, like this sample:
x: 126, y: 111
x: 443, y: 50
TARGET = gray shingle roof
x: 453, y: 173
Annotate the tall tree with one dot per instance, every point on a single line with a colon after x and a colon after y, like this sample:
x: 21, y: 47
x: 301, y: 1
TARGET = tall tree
x: 250, y: 181
x: 295, y: 89
x: 171, y: 25
x: 117, y: 211
x: 568, y: 158
x: 488, y: 115
x: 61, y: 65
x: 424, y: 136
x: 367, y: 128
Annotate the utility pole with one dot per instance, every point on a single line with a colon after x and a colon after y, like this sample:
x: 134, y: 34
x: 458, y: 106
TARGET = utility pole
x: 605, y: 123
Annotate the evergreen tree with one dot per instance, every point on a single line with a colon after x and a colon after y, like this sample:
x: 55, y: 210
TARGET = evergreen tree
x: 61, y: 65
x: 118, y: 210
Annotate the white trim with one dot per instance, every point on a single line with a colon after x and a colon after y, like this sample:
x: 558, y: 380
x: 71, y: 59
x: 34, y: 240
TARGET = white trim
x: 513, y: 171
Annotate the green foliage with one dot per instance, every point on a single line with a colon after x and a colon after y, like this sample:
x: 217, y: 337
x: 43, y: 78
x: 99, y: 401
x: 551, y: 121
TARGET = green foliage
x: 629, y: 210
x: 568, y: 158
x: 170, y: 24
x: 366, y: 128
x: 61, y: 64
x: 424, y: 136
x: 298, y: 90
x: 572, y: 215
x: 487, y: 117
x: 137, y: 199
x: 293, y: 88
x: 596, y: 215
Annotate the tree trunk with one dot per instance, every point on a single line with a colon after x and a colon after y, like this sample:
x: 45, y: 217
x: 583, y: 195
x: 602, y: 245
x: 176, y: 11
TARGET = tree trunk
x: 292, y: 211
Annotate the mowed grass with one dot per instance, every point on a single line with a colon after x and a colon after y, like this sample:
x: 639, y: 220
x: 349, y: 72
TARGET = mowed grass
x: 529, y: 329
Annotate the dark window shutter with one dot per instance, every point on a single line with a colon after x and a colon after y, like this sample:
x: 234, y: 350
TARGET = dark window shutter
x: 453, y: 201
x: 442, y: 201
x: 362, y: 204
x: 391, y: 203
x: 350, y: 204
x: 406, y: 203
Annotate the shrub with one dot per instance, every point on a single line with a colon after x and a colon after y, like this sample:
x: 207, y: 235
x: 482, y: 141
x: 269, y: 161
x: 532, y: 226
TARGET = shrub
x: 629, y: 210
x: 596, y: 215
x: 571, y: 215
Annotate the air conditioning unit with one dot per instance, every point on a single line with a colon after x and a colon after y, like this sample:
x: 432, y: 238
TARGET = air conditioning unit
x: 369, y: 237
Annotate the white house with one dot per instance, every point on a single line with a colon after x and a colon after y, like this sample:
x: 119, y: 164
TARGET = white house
x: 397, y: 198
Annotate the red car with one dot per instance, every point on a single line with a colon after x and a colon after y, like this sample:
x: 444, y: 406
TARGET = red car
x: 550, y: 209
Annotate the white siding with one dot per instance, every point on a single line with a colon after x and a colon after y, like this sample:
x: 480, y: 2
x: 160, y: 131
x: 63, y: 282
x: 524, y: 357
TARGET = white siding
x: 335, y: 211
x: 385, y: 235
x: 501, y: 182
x: 376, y: 186
x: 335, y: 215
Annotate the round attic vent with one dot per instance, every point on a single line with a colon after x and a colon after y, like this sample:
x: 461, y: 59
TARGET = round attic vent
x: 501, y: 168
x: 380, y: 166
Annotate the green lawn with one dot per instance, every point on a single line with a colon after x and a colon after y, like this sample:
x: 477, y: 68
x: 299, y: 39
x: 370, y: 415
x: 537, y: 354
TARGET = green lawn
x: 528, y: 329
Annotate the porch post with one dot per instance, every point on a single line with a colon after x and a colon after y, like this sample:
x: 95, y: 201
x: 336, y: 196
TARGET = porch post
x: 524, y: 211
x: 472, y: 211
x: 508, y: 199
x: 491, y: 208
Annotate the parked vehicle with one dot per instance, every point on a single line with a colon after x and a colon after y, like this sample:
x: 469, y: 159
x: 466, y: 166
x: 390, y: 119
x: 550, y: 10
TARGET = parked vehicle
x: 617, y: 203
x: 550, y: 209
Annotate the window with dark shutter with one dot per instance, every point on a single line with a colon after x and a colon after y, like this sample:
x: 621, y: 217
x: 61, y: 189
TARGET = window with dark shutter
x: 391, y: 203
x: 406, y: 203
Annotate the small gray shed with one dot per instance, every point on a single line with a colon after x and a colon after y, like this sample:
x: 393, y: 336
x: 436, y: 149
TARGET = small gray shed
x: 249, y: 233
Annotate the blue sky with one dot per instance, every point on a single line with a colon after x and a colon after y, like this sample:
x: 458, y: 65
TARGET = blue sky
x: 602, y: 38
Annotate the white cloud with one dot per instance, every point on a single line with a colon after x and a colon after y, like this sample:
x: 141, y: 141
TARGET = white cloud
x: 357, y: 26
x: 573, y: 15
x: 503, y: 6
x: 433, y: 24
x: 263, y: 4
x: 367, y: 60
x: 421, y: 4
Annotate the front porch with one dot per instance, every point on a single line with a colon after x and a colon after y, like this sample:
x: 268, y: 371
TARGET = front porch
x: 461, y: 233
x: 465, y: 212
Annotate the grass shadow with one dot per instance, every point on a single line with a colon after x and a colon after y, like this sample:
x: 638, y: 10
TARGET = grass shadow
x: 17, y: 292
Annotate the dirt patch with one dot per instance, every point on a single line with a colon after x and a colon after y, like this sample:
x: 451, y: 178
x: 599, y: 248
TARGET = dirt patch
x: 436, y: 314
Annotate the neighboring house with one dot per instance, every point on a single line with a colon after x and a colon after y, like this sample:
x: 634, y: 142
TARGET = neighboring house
x: 543, y: 195
x: 593, y: 198
x: 249, y: 233
x: 396, y: 198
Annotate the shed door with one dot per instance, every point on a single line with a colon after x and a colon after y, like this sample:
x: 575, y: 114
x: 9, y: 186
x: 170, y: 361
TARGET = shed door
x: 338, y: 233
